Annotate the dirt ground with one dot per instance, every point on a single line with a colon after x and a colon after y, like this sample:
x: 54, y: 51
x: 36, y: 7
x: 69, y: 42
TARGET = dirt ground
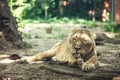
x: 108, y: 55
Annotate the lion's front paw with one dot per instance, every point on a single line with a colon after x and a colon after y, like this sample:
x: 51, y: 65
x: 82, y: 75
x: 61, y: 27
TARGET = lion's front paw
x: 54, y: 58
x: 80, y: 61
x: 72, y: 62
x: 88, y: 66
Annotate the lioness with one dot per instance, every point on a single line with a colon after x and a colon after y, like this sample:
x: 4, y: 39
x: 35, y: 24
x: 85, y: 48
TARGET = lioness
x: 80, y: 42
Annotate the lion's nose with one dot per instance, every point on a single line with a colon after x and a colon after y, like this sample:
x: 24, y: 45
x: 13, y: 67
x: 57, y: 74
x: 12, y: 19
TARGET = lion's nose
x: 77, y: 48
x: 78, y: 44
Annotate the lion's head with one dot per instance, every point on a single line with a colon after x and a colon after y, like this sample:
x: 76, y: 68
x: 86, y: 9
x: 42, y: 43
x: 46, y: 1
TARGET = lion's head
x: 82, y: 40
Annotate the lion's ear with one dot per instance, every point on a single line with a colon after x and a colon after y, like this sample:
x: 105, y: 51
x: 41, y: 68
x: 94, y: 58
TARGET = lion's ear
x: 91, y: 34
x: 74, y: 30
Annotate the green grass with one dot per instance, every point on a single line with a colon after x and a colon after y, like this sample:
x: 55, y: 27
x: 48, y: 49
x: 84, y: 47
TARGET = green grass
x: 108, y: 27
x: 64, y: 20
x: 60, y: 36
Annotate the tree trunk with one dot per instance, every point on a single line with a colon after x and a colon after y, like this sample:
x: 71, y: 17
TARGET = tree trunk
x: 9, y: 37
x: 46, y: 13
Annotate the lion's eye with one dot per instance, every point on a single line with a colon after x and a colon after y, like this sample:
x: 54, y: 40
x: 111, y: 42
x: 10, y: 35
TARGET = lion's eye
x: 74, y: 39
x: 84, y: 41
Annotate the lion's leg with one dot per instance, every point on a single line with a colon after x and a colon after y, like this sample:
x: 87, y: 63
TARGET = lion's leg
x: 65, y: 57
x: 72, y: 61
x: 90, y: 64
x: 40, y: 56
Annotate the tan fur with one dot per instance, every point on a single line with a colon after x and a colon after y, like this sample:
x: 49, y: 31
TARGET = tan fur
x: 87, y: 49
x: 79, y: 42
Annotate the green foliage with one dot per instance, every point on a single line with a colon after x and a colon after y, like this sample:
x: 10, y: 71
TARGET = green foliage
x: 64, y: 20
x: 109, y: 26
x: 60, y: 36
x: 27, y: 45
x: 37, y: 36
x: 17, y: 7
x: 117, y: 28
x: 77, y: 12
x: 25, y: 35
x: 37, y: 9
x: 20, y: 23
x: 58, y: 33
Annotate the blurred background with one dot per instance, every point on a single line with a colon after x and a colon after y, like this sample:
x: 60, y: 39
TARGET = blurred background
x: 46, y: 19
x: 62, y: 11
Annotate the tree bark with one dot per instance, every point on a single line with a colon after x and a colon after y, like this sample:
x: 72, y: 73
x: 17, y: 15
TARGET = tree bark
x: 9, y: 37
